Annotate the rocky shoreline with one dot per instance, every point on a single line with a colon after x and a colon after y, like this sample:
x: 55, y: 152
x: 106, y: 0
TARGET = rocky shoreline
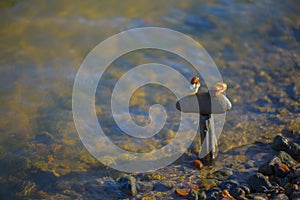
x: 278, y: 178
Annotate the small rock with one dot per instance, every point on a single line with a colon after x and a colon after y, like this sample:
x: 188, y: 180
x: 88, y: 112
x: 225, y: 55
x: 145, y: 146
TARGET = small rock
x: 198, y: 164
x: 281, y: 170
x: 294, y: 150
x: 280, y: 143
x: 259, y: 183
x: 267, y: 168
x: 229, y: 185
x: 127, y: 185
x: 222, y: 174
x: 212, y: 195
x: 246, y: 189
x: 237, y: 192
x: 164, y: 186
x: 286, y: 159
x: 281, y: 197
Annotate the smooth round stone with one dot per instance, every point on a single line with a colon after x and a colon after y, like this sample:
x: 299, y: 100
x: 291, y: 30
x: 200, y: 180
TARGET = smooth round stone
x: 203, y: 103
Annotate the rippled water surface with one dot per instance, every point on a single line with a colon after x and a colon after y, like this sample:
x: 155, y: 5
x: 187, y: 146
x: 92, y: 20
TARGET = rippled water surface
x: 255, y: 44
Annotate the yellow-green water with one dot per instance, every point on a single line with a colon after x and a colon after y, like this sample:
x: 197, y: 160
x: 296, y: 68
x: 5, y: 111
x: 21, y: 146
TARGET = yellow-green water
x: 256, y: 46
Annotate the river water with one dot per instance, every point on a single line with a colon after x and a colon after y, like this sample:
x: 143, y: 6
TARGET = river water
x: 255, y: 44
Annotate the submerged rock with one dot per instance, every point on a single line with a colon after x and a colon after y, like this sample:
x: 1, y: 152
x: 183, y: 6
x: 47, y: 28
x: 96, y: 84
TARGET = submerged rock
x: 259, y: 183
x: 164, y: 186
x: 27, y: 188
x: 127, y: 185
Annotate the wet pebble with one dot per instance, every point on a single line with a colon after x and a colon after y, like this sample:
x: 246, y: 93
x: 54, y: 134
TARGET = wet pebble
x: 281, y: 170
x: 229, y: 185
x: 127, y: 185
x: 267, y: 168
x: 259, y: 183
x: 286, y: 159
x: 222, y: 174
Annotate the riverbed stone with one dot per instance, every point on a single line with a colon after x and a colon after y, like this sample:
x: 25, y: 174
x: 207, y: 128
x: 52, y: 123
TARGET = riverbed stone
x: 222, y: 174
x: 287, y: 159
x: 267, y: 168
x: 127, y: 185
x: 164, y: 186
x: 259, y: 183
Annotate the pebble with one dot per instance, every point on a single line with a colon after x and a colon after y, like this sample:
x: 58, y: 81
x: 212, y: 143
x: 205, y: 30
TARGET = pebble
x: 222, y: 174
x: 267, y: 168
x: 127, y: 185
x: 286, y: 159
x: 259, y: 183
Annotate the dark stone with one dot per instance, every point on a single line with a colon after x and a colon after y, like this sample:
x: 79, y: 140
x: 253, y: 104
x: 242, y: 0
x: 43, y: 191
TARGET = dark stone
x: 164, y: 186
x: 267, y: 168
x: 246, y: 189
x: 127, y: 185
x: 280, y: 143
x: 259, y: 183
x: 202, y: 103
x: 212, y: 195
x: 44, y: 137
x: 229, y: 185
x: 281, y: 170
x: 294, y: 150
x: 237, y: 192
x: 222, y: 174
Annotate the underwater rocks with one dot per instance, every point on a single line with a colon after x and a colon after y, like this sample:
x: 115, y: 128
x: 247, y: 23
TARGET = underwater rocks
x: 127, y: 185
